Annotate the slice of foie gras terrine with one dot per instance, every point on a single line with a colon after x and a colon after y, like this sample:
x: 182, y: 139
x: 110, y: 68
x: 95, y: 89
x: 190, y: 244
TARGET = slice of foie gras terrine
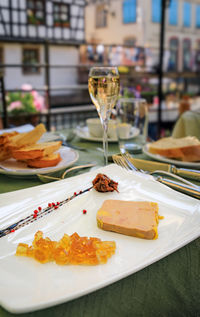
x: 133, y: 218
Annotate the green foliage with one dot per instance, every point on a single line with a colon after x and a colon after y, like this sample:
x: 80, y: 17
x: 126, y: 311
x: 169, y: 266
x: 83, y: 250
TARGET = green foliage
x: 20, y: 103
x: 127, y: 93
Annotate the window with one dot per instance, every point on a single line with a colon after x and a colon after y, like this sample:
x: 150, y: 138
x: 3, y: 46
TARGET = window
x: 36, y: 11
x: 101, y: 16
x: 30, y: 56
x: 156, y: 11
x: 186, y: 14
x: 186, y: 54
x: 61, y: 16
x: 129, y: 11
x: 173, y: 12
x: 173, y: 58
x: 198, y: 16
x: 130, y: 41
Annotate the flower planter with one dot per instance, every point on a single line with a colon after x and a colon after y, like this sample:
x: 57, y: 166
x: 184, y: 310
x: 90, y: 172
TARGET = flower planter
x: 23, y: 119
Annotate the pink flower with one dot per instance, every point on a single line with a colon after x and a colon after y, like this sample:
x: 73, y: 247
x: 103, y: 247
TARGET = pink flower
x: 15, y: 105
x: 38, y: 101
x: 26, y: 87
x: 34, y: 94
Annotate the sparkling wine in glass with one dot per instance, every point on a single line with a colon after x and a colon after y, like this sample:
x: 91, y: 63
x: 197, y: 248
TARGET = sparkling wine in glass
x: 103, y: 85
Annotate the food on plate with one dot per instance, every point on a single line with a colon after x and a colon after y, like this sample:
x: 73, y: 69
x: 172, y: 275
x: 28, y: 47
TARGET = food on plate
x: 24, y: 147
x: 5, y: 137
x: 41, y: 212
x: 4, y: 153
x: 68, y: 250
x: 36, y: 150
x: 27, y: 138
x: 185, y: 149
x: 133, y: 218
x: 46, y: 161
x: 102, y: 183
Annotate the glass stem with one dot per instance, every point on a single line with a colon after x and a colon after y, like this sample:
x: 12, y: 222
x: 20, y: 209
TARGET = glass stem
x: 105, y: 141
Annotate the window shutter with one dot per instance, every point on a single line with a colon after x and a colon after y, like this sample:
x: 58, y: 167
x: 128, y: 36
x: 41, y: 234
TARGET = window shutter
x: 186, y: 14
x: 133, y: 10
x: 156, y: 11
x: 173, y: 12
x: 198, y: 16
x: 129, y: 11
x: 125, y: 12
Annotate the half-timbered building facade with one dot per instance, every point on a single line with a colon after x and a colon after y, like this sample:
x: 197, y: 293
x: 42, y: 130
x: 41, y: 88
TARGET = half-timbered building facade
x: 37, y: 32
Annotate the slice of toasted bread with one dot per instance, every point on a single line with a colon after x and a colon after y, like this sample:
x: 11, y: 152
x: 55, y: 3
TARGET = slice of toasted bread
x: 46, y: 161
x: 36, y: 150
x: 4, y: 153
x: 185, y: 149
x: 27, y: 138
x: 6, y: 137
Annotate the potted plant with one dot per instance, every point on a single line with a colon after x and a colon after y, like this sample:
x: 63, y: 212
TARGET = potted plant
x: 24, y: 104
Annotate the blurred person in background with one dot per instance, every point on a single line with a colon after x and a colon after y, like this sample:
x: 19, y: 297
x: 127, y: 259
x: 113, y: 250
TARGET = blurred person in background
x: 90, y: 53
x: 100, y: 53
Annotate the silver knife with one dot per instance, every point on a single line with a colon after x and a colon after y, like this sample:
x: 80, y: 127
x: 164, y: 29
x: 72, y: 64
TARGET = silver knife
x: 193, y: 191
x: 151, y: 166
x: 186, y: 187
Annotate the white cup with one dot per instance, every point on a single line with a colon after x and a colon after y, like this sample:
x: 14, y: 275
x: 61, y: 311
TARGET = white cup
x: 123, y: 130
x: 95, y: 128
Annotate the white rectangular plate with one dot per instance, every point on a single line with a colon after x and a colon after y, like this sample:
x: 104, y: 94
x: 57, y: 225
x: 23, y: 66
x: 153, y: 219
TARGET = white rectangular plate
x: 26, y: 285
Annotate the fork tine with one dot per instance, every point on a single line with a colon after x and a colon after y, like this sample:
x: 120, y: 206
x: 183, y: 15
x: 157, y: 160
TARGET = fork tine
x: 116, y: 160
x: 119, y: 161
x: 124, y: 163
x: 127, y: 157
x: 131, y: 166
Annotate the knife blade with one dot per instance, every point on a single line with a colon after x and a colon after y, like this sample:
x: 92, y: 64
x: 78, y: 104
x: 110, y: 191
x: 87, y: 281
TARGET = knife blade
x: 152, y: 166
x: 185, y: 189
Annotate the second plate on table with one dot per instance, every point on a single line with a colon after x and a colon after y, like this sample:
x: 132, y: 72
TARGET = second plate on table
x: 14, y: 168
x: 83, y: 133
x: 158, y: 157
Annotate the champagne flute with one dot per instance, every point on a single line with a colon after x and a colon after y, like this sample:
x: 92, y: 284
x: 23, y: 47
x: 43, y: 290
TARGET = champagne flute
x: 103, y: 85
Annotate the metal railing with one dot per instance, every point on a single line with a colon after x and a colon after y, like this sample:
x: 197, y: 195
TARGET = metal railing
x: 73, y: 111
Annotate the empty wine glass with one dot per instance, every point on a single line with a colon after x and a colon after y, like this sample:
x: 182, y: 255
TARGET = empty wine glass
x: 132, y: 118
x: 103, y: 85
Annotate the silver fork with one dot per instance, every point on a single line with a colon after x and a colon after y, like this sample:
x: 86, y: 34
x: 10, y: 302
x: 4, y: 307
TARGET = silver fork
x: 127, y: 157
x: 185, y: 187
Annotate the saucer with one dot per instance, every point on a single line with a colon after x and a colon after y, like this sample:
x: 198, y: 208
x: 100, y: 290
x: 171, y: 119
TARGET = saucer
x: 83, y: 133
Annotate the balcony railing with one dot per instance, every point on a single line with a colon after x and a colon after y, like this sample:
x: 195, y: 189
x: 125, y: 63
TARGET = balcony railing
x: 69, y: 111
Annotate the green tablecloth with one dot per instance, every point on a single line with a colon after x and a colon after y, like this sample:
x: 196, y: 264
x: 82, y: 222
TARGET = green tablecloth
x: 169, y: 287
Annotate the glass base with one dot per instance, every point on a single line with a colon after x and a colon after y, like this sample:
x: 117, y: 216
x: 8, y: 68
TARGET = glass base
x: 133, y: 148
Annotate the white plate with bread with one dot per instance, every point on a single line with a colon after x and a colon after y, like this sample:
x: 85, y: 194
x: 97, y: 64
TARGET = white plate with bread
x: 178, y: 151
x: 18, y: 168
x: 23, y: 154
